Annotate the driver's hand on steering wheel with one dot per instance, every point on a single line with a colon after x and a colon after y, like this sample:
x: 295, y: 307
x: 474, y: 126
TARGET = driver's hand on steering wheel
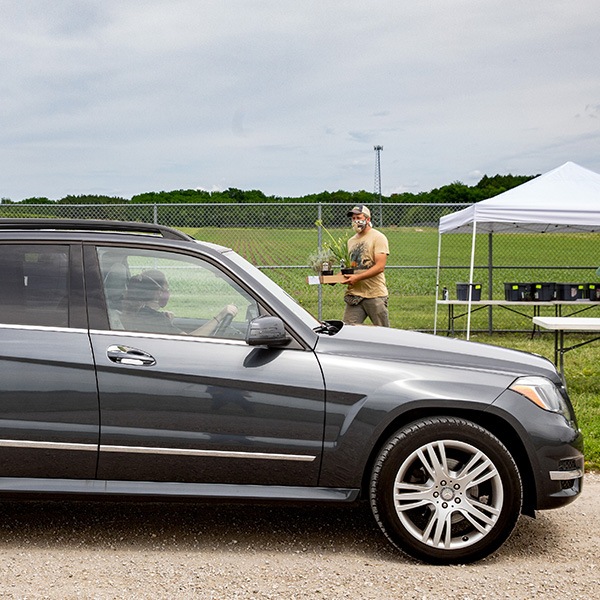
x: 230, y: 309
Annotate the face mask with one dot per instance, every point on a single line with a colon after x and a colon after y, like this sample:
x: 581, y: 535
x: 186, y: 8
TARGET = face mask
x: 359, y: 226
x: 163, y: 297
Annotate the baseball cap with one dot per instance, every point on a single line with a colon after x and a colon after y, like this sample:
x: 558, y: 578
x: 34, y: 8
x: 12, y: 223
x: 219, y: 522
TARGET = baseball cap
x: 357, y: 210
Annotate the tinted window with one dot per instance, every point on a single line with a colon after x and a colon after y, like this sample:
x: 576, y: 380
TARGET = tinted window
x: 34, y: 288
x: 163, y: 292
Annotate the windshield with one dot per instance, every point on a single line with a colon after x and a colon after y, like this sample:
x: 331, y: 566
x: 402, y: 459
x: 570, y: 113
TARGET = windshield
x: 281, y: 294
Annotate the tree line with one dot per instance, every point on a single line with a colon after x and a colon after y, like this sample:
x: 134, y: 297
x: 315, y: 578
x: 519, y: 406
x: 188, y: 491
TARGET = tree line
x: 454, y: 193
x: 239, y: 208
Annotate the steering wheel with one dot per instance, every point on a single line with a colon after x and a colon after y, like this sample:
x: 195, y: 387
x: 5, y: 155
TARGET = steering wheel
x: 223, y: 325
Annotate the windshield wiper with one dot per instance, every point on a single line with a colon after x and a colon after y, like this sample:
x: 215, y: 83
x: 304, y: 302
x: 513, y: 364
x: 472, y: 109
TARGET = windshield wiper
x: 329, y: 327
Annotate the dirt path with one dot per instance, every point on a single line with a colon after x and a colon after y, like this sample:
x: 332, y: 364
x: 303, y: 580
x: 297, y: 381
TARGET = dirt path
x: 109, y: 550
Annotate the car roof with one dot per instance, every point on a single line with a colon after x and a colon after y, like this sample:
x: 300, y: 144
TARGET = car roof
x: 92, y: 225
x: 99, y: 231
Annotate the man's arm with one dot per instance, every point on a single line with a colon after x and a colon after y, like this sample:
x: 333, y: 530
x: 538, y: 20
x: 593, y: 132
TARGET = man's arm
x: 378, y: 267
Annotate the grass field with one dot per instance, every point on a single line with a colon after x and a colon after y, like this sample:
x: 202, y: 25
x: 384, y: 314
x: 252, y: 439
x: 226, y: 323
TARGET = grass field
x: 411, y: 282
x: 411, y: 273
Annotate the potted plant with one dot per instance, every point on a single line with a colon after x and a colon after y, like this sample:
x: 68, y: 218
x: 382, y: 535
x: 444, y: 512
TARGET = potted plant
x: 339, y: 248
x: 346, y: 270
x: 321, y: 261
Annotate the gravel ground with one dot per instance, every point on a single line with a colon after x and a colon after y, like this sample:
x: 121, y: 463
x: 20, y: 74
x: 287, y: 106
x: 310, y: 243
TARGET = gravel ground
x: 107, y: 551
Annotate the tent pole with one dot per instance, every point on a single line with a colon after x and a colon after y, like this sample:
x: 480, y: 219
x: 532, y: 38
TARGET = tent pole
x: 437, y: 283
x: 490, y: 282
x: 471, y: 280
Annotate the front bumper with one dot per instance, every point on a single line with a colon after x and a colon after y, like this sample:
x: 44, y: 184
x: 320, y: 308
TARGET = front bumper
x: 566, y: 476
x: 554, y: 447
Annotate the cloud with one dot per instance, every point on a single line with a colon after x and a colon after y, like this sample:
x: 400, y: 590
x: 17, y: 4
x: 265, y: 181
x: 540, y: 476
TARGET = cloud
x: 363, y: 137
x: 592, y: 111
x: 149, y: 95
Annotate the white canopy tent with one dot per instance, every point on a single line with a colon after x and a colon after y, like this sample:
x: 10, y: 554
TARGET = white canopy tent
x: 566, y: 199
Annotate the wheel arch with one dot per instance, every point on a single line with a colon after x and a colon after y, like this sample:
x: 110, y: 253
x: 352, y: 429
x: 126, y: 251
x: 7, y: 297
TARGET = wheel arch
x: 499, y: 427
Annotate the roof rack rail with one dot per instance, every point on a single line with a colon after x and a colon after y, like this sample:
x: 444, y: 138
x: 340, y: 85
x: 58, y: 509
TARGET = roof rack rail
x: 95, y: 225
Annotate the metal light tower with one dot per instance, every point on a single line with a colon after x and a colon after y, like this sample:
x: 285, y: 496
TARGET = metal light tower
x: 377, y: 194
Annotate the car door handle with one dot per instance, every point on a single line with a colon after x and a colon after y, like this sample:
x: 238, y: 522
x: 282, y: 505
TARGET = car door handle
x: 124, y: 355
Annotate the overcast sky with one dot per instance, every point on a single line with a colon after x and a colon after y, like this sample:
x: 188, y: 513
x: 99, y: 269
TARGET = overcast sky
x: 120, y: 97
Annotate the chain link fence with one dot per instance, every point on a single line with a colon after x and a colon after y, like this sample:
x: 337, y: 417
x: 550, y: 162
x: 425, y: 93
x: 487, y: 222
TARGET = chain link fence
x: 280, y: 237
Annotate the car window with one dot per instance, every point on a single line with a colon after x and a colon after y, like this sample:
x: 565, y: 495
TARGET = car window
x: 293, y: 305
x: 164, y: 292
x: 34, y: 287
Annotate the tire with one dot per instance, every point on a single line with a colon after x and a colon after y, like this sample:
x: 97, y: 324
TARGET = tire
x: 445, y: 490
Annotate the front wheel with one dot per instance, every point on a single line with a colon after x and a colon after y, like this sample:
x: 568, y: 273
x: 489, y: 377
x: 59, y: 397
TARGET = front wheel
x: 446, y: 490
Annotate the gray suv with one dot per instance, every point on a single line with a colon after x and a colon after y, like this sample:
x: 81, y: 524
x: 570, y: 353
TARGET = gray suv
x: 137, y: 362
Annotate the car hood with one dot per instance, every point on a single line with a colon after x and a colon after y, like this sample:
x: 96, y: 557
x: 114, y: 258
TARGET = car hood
x: 382, y: 343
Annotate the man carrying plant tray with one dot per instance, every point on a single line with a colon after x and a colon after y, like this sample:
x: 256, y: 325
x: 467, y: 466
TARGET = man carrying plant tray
x: 367, y: 293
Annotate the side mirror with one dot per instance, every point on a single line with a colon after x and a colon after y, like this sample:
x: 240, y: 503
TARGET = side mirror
x: 266, y: 331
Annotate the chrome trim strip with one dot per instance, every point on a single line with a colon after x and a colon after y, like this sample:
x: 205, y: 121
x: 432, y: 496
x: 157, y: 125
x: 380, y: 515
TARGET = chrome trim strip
x: 121, y: 332
x: 102, y: 487
x: 162, y: 336
x: 566, y: 475
x: 33, y: 444
x: 205, y: 453
x: 42, y: 328
x: 47, y: 445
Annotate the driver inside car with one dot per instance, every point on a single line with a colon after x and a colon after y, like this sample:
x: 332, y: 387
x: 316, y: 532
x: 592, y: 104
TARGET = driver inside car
x: 148, y: 293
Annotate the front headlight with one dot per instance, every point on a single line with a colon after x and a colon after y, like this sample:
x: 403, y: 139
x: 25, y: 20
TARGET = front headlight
x: 544, y: 393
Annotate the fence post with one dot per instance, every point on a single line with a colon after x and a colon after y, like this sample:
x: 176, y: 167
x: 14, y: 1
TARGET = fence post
x: 319, y: 242
x: 155, y: 214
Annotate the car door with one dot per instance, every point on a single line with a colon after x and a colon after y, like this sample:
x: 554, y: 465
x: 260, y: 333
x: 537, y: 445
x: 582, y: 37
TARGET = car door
x: 49, y: 425
x: 183, y: 397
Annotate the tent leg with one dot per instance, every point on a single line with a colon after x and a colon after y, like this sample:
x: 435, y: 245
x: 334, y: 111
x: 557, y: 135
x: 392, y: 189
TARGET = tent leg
x: 490, y: 283
x: 471, y: 280
x: 437, y: 284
